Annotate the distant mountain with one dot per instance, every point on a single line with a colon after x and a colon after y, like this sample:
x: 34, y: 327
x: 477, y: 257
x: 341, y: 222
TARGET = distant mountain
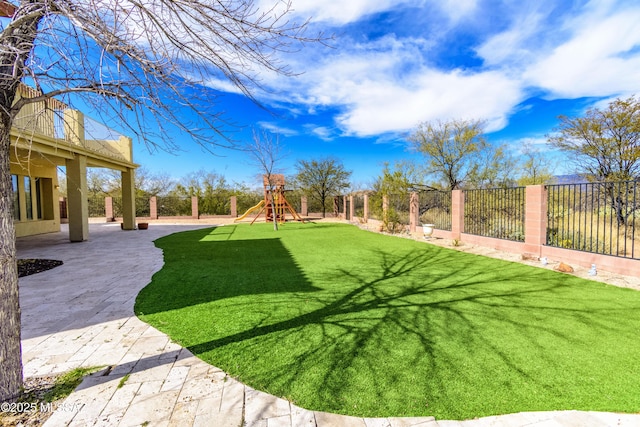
x: 570, y: 179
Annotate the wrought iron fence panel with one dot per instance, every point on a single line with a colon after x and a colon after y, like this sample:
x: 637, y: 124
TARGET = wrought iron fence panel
x: 214, y: 204
x: 399, y: 208
x: 375, y: 206
x: 174, y: 206
x: 358, y: 205
x: 495, y: 212
x: 117, y: 207
x: 435, y: 208
x: 143, y: 207
x: 594, y: 217
x: 96, y: 207
x: 245, y: 201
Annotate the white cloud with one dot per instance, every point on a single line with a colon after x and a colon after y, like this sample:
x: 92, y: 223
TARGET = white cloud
x: 379, y: 107
x: 600, y: 59
x: 322, y: 132
x: 391, y: 83
x: 512, y: 46
x: 457, y: 9
x: 338, y: 12
x: 274, y: 128
x: 385, y: 87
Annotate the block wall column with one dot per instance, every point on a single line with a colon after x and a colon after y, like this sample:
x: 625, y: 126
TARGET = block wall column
x: 108, y: 208
x: 414, y: 215
x: 366, y: 208
x: 234, y: 206
x: 194, y: 207
x: 535, y: 222
x: 304, y: 206
x: 457, y: 214
x: 153, y: 207
x: 385, y: 208
x: 351, y: 210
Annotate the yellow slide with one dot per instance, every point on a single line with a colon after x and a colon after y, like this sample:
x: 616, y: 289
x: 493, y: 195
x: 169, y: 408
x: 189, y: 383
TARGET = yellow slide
x: 251, y: 209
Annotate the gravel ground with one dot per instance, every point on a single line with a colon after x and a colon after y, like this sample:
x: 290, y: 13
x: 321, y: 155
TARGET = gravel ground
x: 27, y: 267
x: 31, y: 410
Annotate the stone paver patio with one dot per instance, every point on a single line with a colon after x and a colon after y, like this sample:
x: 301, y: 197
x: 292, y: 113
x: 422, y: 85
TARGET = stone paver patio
x: 81, y: 314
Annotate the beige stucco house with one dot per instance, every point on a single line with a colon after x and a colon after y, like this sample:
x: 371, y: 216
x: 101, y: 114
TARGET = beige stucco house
x: 47, y: 135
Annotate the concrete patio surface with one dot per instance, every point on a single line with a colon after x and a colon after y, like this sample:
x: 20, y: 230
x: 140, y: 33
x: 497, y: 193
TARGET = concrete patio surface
x: 81, y: 314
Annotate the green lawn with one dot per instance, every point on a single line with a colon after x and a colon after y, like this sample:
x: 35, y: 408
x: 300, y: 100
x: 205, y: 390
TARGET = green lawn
x: 337, y: 319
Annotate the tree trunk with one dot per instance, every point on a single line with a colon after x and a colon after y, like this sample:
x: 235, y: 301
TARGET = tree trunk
x: 273, y: 210
x: 17, y: 43
x: 10, y: 350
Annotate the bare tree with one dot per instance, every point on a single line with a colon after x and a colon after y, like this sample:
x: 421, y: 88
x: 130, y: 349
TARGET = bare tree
x: 142, y: 63
x: 452, y: 149
x: 266, y: 151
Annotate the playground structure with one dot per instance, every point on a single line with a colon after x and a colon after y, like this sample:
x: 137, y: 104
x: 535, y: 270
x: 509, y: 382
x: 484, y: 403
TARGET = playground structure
x: 274, y: 203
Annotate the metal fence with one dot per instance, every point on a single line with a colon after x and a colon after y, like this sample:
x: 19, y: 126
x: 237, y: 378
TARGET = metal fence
x: 174, y: 206
x: 96, y: 207
x: 375, y: 206
x: 496, y: 212
x: 399, y: 208
x: 595, y: 217
x: 358, y: 205
x: 143, y: 207
x: 435, y: 208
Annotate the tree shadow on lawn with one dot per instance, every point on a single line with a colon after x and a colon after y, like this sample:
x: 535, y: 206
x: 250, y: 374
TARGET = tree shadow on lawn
x: 420, y: 330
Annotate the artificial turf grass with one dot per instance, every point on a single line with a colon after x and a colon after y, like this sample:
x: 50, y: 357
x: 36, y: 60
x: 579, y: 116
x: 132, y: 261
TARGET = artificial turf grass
x: 341, y: 320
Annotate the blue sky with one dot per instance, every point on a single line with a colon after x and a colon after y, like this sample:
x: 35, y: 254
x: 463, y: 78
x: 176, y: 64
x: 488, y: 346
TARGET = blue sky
x: 393, y: 64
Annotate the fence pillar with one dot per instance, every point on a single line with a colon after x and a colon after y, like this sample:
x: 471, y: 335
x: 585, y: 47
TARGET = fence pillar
x: 351, y: 209
x: 535, y: 223
x: 344, y: 206
x: 234, y: 206
x: 108, y: 209
x: 194, y: 207
x: 414, y: 212
x: 304, y: 207
x: 153, y: 207
x: 385, y: 209
x: 63, y: 208
x: 365, y: 210
x: 457, y: 214
x: 336, y: 206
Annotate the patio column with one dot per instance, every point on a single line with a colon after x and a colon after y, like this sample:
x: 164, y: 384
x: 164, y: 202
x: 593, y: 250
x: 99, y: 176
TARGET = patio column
x: 77, y: 202
x: 128, y: 199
